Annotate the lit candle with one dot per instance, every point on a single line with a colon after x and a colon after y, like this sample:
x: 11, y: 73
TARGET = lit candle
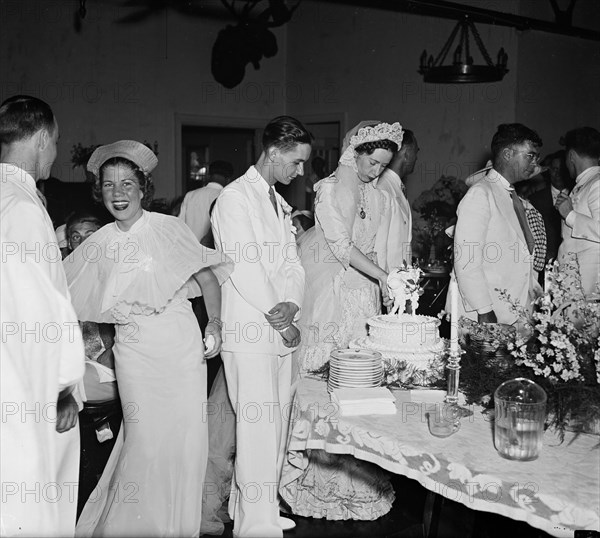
x: 453, y: 291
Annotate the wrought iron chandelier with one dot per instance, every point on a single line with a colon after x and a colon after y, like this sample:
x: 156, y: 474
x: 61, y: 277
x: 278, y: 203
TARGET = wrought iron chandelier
x: 463, y: 68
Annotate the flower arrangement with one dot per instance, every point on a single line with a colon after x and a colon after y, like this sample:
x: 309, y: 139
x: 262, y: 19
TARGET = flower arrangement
x: 80, y: 154
x: 437, y: 211
x: 558, y: 348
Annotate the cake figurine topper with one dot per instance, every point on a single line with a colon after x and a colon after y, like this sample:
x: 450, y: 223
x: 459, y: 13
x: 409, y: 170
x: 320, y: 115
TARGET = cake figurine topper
x: 403, y: 286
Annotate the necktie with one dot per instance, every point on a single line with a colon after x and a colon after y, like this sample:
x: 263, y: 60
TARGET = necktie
x: 520, y: 211
x: 273, y: 199
x: 403, y: 187
x: 538, y: 230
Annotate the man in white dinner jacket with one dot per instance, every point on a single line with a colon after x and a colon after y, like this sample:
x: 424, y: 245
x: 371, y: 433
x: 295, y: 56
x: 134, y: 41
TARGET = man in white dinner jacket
x: 392, y: 180
x: 580, y: 210
x: 195, y: 208
x: 260, y: 303
x: 41, y: 352
x: 493, y: 244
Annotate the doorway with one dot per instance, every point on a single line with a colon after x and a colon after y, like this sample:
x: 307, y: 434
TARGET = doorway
x: 203, y: 139
x: 326, y: 149
x: 202, y: 145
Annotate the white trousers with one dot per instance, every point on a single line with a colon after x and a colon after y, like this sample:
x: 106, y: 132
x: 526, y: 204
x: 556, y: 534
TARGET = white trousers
x: 259, y: 388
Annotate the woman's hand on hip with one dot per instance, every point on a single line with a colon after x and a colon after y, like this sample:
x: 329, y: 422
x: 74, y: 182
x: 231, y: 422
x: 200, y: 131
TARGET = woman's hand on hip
x: 212, y: 334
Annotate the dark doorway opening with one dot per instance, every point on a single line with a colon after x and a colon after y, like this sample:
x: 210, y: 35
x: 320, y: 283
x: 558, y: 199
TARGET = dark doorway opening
x: 202, y: 145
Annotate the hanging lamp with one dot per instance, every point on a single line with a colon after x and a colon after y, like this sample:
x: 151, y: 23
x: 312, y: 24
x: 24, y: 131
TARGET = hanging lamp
x: 463, y: 68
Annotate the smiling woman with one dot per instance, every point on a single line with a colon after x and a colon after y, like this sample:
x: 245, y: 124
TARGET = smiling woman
x: 138, y: 273
x: 122, y: 193
x: 122, y: 179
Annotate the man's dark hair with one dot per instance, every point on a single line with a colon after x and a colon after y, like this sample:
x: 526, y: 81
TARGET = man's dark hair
x: 408, y: 138
x: 285, y: 133
x: 560, y: 155
x: 510, y: 134
x: 585, y: 141
x: 222, y: 168
x: 21, y: 116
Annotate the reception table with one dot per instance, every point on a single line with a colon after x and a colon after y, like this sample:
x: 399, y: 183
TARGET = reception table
x: 558, y: 493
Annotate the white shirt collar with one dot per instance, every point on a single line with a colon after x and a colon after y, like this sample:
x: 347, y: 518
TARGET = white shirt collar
x: 256, y: 178
x: 11, y: 172
x: 215, y: 185
x: 591, y: 171
x: 494, y: 175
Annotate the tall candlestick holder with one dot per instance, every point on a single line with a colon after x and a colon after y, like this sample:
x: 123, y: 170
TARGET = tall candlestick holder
x: 453, y: 367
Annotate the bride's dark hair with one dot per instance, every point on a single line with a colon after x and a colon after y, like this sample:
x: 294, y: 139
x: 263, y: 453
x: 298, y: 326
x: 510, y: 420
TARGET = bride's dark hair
x: 370, y: 147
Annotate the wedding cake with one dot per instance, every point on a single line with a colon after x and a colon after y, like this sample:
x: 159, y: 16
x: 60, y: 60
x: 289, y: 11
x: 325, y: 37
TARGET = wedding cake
x: 410, y: 344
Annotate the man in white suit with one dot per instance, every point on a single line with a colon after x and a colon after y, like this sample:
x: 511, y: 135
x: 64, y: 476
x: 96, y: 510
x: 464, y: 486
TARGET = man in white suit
x: 580, y: 210
x: 392, y: 180
x: 41, y: 352
x: 195, y: 208
x: 493, y: 244
x: 260, y: 303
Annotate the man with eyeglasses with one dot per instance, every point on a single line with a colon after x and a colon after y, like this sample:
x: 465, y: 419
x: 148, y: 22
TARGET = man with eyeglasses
x: 580, y: 210
x: 493, y: 243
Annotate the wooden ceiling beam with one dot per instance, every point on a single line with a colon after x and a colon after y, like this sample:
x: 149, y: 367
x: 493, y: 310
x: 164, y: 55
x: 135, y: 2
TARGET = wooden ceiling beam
x: 456, y: 11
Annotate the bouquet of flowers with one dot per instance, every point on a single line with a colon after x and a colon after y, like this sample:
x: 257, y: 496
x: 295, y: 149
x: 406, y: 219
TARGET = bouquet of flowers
x: 558, y: 347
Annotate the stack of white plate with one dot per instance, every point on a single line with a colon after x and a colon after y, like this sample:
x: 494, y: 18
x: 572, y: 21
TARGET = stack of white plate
x: 354, y: 368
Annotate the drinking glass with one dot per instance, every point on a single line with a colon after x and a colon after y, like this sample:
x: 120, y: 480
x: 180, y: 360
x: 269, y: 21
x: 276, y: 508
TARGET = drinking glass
x: 519, y: 419
x: 443, y: 419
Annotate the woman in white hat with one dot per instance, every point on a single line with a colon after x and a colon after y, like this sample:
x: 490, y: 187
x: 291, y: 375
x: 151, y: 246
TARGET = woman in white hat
x: 138, y: 273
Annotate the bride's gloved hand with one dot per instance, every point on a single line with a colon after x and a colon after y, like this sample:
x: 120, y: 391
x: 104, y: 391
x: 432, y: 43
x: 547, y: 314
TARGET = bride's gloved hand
x: 388, y: 301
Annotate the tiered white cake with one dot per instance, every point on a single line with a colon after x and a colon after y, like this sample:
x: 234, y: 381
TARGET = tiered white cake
x: 410, y: 345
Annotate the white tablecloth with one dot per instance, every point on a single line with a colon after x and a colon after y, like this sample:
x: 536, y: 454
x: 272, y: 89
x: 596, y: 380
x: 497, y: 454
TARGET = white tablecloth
x: 558, y: 493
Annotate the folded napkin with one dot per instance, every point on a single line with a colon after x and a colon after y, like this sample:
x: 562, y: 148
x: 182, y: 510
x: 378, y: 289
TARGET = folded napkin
x: 364, y: 401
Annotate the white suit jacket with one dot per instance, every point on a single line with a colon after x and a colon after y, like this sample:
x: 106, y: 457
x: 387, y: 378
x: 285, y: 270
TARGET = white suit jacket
x: 267, y: 267
x: 581, y: 230
x: 391, y: 182
x: 42, y: 353
x: 490, y: 251
x: 195, y: 208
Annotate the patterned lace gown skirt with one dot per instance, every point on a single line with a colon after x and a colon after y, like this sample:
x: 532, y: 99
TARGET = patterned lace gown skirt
x: 340, y: 487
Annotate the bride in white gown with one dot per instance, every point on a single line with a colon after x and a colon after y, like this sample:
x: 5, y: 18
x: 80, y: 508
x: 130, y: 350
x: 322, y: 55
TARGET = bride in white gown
x: 346, y: 257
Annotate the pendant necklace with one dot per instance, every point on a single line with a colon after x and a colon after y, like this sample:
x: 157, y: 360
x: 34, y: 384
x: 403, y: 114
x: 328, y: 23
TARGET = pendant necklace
x: 362, y: 213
